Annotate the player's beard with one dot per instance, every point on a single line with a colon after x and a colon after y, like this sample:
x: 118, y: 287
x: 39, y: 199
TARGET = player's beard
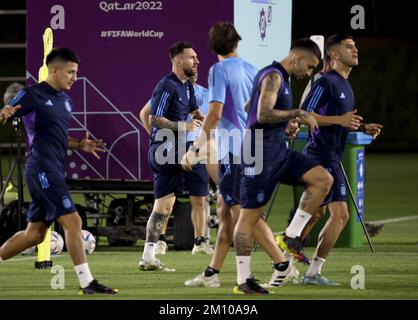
x: 189, y: 72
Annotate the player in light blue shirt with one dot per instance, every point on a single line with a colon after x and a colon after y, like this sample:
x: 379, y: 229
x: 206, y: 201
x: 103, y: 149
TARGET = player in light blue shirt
x: 230, y: 85
x: 201, y: 94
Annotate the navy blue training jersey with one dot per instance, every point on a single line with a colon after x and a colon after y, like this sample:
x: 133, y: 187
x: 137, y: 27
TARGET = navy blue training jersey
x: 275, y: 132
x: 331, y: 95
x: 45, y: 113
x: 173, y: 100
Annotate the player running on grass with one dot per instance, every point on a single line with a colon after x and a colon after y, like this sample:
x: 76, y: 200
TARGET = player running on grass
x: 46, y: 111
x: 270, y: 110
x: 230, y: 83
x: 331, y: 102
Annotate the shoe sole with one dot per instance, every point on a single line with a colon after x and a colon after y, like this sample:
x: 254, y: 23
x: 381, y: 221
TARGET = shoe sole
x: 82, y: 293
x: 201, y: 252
x: 157, y: 270
x: 320, y: 284
x: 202, y: 285
x: 236, y: 290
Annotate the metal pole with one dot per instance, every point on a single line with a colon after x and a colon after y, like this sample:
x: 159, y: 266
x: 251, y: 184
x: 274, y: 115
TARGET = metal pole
x: 357, y: 210
x: 20, y: 198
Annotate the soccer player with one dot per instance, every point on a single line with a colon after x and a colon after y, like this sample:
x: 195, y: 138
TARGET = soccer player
x: 270, y: 110
x: 331, y: 102
x: 172, y: 101
x: 305, y: 233
x: 230, y: 83
x: 197, y: 181
x: 46, y: 111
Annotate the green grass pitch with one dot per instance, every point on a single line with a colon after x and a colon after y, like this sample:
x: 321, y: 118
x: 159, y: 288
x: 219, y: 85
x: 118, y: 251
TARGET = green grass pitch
x: 390, y: 273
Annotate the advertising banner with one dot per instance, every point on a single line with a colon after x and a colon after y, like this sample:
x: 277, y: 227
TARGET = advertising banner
x: 123, y: 46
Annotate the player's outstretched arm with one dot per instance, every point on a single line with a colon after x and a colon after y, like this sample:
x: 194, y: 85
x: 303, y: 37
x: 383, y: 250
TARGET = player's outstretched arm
x: 164, y: 123
x: 87, y: 145
x: 372, y: 129
x: 350, y: 120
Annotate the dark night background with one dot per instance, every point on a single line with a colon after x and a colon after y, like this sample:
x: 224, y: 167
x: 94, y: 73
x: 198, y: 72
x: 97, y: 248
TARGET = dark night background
x: 385, y: 83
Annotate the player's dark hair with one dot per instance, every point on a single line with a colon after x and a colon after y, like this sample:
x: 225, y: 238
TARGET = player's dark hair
x: 223, y: 38
x: 62, y: 54
x: 307, y: 44
x: 178, y: 47
x: 336, y: 39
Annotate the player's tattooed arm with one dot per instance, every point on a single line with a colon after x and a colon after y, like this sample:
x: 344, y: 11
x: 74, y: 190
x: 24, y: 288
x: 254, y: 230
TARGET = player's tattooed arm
x: 268, y: 96
x: 164, y: 123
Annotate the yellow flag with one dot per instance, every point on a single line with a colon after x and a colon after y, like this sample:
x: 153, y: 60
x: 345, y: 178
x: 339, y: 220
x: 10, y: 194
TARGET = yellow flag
x: 48, y: 40
x: 45, y: 247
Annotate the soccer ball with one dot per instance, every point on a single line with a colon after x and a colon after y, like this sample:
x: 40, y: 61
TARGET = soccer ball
x: 213, y: 221
x: 57, y: 243
x: 89, y: 241
x: 29, y: 251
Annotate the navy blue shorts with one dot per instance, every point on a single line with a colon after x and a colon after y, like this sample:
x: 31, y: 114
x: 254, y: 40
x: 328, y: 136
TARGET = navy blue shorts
x: 197, y: 181
x: 168, y: 178
x: 229, y: 181
x: 50, y: 197
x: 279, y: 165
x: 338, y: 190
